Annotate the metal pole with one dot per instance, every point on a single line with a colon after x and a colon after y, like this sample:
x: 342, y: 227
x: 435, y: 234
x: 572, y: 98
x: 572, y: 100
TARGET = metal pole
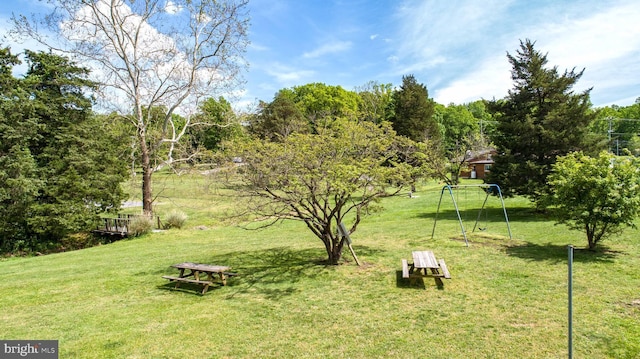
x: 609, y: 132
x: 433, y: 231
x: 504, y: 209
x: 455, y: 204
x: 435, y: 220
x: 570, y: 318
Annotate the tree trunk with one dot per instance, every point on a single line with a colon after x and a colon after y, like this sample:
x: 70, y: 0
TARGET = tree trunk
x: 591, y: 237
x: 337, y: 249
x: 333, y: 247
x: 147, y: 171
x: 147, y: 194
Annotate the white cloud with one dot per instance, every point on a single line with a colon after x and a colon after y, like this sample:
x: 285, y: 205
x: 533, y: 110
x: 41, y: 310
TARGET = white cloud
x: 163, y: 66
x: 461, y: 48
x: 329, y: 48
x: 258, y: 47
x: 393, y: 59
x: 611, y: 36
x: 433, y: 28
x: 492, y: 78
x: 458, y: 48
x: 172, y: 8
x: 288, y: 76
x: 587, y: 41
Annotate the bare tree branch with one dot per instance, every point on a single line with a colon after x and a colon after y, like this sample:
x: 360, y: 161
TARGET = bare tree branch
x: 145, y: 57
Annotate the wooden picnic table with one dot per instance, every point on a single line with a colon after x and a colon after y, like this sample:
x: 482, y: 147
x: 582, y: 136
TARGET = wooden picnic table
x: 202, y: 274
x: 425, y: 265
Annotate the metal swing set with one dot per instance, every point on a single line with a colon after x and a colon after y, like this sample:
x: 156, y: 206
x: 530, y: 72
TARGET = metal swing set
x: 488, y: 188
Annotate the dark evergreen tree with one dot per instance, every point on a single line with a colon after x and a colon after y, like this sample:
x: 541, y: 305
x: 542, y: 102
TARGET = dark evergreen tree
x: 413, y: 112
x: 540, y: 119
x: 59, y: 168
x: 19, y: 181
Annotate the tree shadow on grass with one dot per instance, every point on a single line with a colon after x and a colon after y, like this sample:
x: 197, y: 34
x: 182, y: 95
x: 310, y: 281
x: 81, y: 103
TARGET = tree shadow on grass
x: 189, y: 288
x: 492, y: 214
x: 258, y: 269
x: 274, y: 272
x: 559, y: 253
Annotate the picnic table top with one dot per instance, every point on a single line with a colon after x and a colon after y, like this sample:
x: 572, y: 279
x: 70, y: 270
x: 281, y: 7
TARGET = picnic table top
x: 424, y: 259
x: 201, y: 267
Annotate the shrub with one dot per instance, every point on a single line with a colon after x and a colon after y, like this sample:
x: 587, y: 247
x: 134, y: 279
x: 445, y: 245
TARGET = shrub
x: 140, y: 225
x: 597, y: 195
x: 175, y: 219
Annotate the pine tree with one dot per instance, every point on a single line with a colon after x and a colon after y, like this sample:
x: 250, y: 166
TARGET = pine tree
x: 58, y: 161
x: 413, y: 112
x: 539, y: 120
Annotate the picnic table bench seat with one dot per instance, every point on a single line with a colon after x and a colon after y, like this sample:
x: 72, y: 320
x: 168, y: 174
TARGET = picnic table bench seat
x: 186, y: 280
x: 443, y: 267
x: 405, y: 269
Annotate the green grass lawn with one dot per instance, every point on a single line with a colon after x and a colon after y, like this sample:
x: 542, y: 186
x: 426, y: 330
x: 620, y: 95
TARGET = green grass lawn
x: 506, y: 299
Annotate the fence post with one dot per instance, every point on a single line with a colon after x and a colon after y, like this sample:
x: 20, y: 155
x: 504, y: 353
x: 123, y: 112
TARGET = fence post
x: 570, y: 301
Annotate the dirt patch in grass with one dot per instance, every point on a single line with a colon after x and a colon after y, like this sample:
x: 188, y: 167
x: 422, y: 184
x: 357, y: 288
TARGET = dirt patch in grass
x: 486, y: 239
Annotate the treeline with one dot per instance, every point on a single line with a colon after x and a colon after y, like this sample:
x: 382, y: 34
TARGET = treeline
x: 61, y: 163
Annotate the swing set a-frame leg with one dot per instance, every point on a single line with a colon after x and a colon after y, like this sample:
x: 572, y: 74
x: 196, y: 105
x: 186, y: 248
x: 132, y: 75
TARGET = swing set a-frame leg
x: 455, y: 204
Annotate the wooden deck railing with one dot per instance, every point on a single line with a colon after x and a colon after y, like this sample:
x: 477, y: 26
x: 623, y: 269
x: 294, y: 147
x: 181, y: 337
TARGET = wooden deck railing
x: 119, y: 226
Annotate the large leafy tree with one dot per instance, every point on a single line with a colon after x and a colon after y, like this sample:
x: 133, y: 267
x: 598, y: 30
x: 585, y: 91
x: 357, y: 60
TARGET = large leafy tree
x: 596, y: 195
x: 323, y: 179
x: 459, y: 125
x: 321, y: 104
x: 413, y: 112
x: 540, y: 119
x: 151, y: 54
x: 219, y: 123
x: 485, y: 120
x: 304, y: 109
x: 375, y: 101
x: 58, y: 166
x: 279, y: 118
x: 461, y: 136
x: 19, y: 182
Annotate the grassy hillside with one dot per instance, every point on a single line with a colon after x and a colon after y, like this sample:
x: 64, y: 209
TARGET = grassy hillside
x: 506, y: 299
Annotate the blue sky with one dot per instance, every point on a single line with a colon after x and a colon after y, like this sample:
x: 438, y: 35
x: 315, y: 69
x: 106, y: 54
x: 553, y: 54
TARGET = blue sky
x: 456, y: 48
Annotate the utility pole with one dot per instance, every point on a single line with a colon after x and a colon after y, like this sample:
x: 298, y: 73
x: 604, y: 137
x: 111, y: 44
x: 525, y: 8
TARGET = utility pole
x: 609, y: 132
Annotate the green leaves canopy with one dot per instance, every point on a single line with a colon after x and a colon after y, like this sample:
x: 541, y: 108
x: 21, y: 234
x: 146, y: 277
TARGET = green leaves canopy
x: 597, y: 195
x: 320, y: 179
